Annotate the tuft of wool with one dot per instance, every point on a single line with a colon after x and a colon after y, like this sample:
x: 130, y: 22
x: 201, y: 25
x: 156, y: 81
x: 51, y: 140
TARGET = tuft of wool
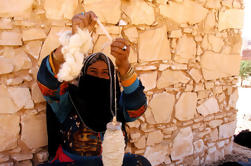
x: 113, y: 145
x: 75, y: 48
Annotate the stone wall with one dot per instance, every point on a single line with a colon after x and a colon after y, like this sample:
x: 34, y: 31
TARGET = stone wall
x: 186, y: 52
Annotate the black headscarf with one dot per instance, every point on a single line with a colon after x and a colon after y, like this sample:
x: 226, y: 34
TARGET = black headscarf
x: 93, y: 98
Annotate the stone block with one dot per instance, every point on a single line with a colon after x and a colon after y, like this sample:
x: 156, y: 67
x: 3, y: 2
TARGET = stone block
x: 141, y: 142
x: 34, y: 133
x: 227, y: 3
x: 210, y: 106
x: 215, y: 123
x: 196, y: 75
x: 233, y: 99
x: 21, y: 97
x: 5, y: 23
x: 102, y: 8
x: 7, y: 105
x: 51, y: 42
x: 157, y: 154
x: 36, y: 94
x: 198, y: 146
x: 13, y: 8
x: 8, y: 138
x: 24, y: 163
x: 210, y: 22
x: 162, y: 107
x: 216, y: 43
x: 10, y: 163
x: 185, y: 50
x: 182, y: 144
x: 60, y: 9
x: 42, y: 156
x: 114, y: 30
x: 186, y: 12
x: 131, y: 34
x: 185, y: 108
x: 18, y: 58
x: 33, y: 34
x: 5, y: 65
x: 33, y: 48
x: 231, y: 18
x: 214, y: 135
x: 10, y: 38
x: 139, y: 12
x: 154, y: 137
x: 176, y: 34
x: 219, y: 65
x: 22, y: 157
x: 149, y: 116
x: 213, y: 4
x: 169, y: 77
x: 227, y: 130
x: 154, y: 45
x: 149, y: 80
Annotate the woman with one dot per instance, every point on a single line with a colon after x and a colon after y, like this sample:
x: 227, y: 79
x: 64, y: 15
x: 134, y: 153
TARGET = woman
x: 77, y: 114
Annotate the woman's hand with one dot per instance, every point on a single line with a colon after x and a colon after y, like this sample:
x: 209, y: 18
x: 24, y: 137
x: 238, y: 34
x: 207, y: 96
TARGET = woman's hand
x: 86, y: 20
x: 120, y: 49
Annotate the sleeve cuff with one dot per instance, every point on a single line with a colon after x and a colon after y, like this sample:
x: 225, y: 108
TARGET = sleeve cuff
x: 132, y: 87
x: 50, y: 65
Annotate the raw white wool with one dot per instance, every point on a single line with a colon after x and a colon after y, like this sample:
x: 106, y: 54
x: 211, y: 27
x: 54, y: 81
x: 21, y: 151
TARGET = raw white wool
x: 75, y: 48
x: 113, y: 145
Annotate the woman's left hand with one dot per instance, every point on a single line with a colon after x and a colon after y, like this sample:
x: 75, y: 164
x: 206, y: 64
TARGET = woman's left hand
x: 120, y: 49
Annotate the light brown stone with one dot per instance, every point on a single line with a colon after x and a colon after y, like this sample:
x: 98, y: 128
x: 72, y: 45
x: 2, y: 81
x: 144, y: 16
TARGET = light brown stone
x: 213, y: 4
x: 227, y: 130
x: 60, y: 9
x: 102, y: 8
x: 141, y: 143
x: 10, y: 38
x: 21, y: 97
x: 216, y: 43
x: 169, y: 77
x: 199, y: 87
x: 135, y: 124
x: 10, y: 163
x: 158, y: 154
x: 139, y: 12
x: 176, y: 34
x: 231, y: 18
x: 133, y: 56
x: 185, y: 108
x: 42, y: 156
x: 149, y: 116
x: 149, y: 80
x: 186, y: 12
x: 131, y: 34
x: 162, y: 107
x: 33, y: 48
x: 215, y: 123
x: 227, y: 3
x: 13, y: 8
x: 219, y: 65
x: 233, y: 99
x: 36, y: 94
x: 9, y: 131
x: 154, y: 45
x: 210, y: 106
x: 185, y: 50
x: 22, y: 157
x: 7, y: 105
x: 210, y: 22
x: 182, y: 144
x: 196, y: 75
x: 5, y: 23
x: 24, y: 163
x: 114, y: 30
x: 5, y: 65
x: 198, y: 146
x: 4, y: 158
x: 33, y: 34
x: 51, y: 42
x: 18, y: 58
x: 154, y: 137
x: 214, y: 135
x: 34, y: 133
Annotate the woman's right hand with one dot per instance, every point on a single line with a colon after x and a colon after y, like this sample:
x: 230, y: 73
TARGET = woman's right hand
x: 86, y: 20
